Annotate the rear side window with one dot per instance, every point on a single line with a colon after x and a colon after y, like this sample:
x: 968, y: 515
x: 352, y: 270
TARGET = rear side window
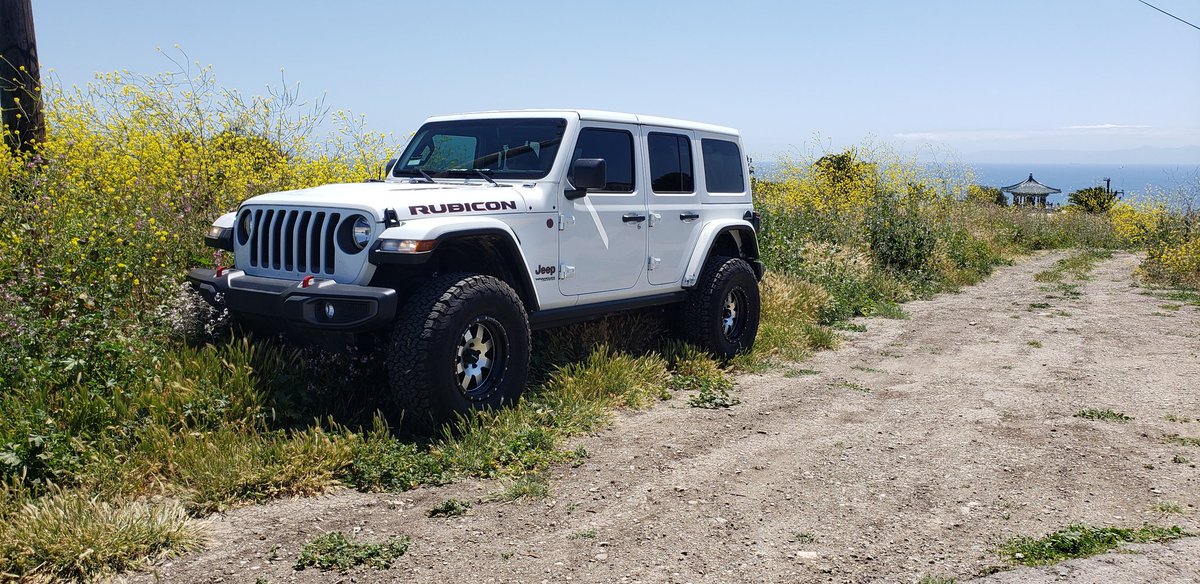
x: 722, y: 166
x: 616, y: 148
x: 670, y: 163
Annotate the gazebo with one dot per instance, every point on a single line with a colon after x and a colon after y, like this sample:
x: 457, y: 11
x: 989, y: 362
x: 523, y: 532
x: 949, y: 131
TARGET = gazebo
x: 1030, y: 193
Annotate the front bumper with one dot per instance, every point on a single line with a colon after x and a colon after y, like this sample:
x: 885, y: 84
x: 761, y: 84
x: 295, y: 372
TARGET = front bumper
x: 324, y: 305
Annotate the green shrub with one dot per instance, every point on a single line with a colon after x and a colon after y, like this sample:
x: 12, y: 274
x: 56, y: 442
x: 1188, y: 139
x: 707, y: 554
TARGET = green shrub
x: 900, y: 238
x: 1093, y: 199
x: 450, y: 508
x: 335, y: 550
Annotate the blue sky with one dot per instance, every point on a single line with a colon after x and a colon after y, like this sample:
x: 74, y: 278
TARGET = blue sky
x: 982, y: 78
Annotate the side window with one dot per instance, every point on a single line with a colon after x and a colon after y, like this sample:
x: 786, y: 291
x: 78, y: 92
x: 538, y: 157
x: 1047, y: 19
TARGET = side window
x: 670, y: 163
x: 722, y: 166
x: 616, y: 148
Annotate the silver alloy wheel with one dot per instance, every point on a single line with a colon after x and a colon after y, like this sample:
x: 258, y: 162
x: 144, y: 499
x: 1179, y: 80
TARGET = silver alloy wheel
x: 731, y: 313
x: 479, y: 357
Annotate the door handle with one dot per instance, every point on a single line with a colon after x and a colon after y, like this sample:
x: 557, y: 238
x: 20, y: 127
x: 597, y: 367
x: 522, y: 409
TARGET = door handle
x: 633, y: 218
x: 689, y: 216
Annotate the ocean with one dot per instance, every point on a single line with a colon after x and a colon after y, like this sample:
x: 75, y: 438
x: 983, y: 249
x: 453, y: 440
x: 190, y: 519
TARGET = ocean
x: 1136, y: 180
x: 1180, y: 182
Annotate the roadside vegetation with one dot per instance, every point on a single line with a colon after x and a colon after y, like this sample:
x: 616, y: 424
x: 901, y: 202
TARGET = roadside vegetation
x: 125, y: 409
x: 1081, y: 541
x: 335, y: 550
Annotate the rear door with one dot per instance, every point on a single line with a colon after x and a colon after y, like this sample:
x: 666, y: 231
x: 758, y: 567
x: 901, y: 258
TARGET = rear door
x: 674, y: 211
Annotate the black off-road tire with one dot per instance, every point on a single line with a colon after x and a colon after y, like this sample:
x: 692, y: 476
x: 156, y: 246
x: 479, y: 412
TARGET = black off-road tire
x: 444, y: 333
x: 721, y: 313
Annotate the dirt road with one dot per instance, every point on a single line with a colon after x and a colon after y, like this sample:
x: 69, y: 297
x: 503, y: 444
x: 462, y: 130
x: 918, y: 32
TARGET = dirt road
x: 910, y: 451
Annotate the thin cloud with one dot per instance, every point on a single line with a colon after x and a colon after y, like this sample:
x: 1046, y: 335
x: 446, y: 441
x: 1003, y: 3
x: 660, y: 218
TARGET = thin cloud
x: 1007, y: 135
x: 1105, y: 127
x: 968, y: 135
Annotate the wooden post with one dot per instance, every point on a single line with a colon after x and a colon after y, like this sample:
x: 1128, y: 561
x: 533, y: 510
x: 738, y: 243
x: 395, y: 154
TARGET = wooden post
x: 20, y: 79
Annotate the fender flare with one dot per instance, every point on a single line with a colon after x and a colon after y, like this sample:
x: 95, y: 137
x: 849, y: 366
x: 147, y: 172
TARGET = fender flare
x: 441, y: 232
x: 744, y: 235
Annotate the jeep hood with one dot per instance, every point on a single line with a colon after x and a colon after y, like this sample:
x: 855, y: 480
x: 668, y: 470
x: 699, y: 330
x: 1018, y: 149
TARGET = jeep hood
x: 410, y: 200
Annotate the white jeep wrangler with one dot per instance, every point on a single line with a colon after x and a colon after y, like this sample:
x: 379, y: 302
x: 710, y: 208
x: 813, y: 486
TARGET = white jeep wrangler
x: 490, y: 224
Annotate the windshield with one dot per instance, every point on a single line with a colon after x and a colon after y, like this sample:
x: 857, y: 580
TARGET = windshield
x: 500, y: 148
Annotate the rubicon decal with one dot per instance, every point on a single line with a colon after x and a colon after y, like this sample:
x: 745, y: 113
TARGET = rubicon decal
x: 462, y: 207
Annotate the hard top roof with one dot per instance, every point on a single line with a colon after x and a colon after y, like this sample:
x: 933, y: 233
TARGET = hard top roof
x: 595, y: 116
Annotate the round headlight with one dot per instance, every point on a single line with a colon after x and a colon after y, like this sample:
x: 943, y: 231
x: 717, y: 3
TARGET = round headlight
x: 245, y: 228
x: 360, y: 234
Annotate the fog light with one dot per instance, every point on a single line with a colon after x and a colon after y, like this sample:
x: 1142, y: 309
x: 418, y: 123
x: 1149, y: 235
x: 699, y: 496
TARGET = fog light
x: 329, y: 310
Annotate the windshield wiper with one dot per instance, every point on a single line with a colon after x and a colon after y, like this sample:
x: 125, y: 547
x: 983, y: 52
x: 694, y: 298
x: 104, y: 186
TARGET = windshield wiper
x: 486, y: 177
x: 428, y: 179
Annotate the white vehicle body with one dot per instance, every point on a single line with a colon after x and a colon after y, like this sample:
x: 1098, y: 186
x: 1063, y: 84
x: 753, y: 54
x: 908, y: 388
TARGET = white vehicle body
x: 493, y: 223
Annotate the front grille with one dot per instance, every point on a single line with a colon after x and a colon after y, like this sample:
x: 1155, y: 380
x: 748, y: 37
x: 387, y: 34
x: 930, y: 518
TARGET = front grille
x: 292, y: 240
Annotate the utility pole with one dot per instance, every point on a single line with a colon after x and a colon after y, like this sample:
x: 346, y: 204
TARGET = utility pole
x: 20, y: 79
x: 1108, y: 189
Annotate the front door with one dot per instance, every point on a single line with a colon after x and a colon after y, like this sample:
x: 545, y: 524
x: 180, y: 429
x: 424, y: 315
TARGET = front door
x: 602, y: 241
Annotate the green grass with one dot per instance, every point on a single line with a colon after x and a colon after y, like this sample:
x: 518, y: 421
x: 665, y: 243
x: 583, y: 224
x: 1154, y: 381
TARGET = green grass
x: 335, y: 550
x: 854, y: 386
x: 69, y: 535
x: 1182, y: 440
x: 529, y: 486
x: 450, y: 508
x: 696, y: 372
x: 1077, y: 265
x: 1103, y: 415
x: 1081, y: 541
x: 793, y: 373
x: 585, y: 534
x: 866, y: 369
x: 1034, y: 344
x: 804, y: 537
x: 1167, y: 508
x: 890, y: 310
x: 849, y: 327
x: 1184, y: 296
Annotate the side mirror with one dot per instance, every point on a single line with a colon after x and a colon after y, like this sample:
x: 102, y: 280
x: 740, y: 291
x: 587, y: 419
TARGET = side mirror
x: 587, y: 173
x: 387, y: 169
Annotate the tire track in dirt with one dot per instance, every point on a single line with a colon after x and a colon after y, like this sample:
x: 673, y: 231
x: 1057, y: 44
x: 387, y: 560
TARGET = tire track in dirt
x: 917, y: 447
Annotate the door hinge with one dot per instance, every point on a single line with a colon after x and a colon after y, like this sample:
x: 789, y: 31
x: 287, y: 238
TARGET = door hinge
x: 565, y: 221
x: 653, y: 262
x: 566, y: 272
x: 654, y: 219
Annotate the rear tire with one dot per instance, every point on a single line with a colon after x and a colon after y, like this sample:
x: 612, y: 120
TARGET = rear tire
x: 721, y: 313
x: 460, y: 343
